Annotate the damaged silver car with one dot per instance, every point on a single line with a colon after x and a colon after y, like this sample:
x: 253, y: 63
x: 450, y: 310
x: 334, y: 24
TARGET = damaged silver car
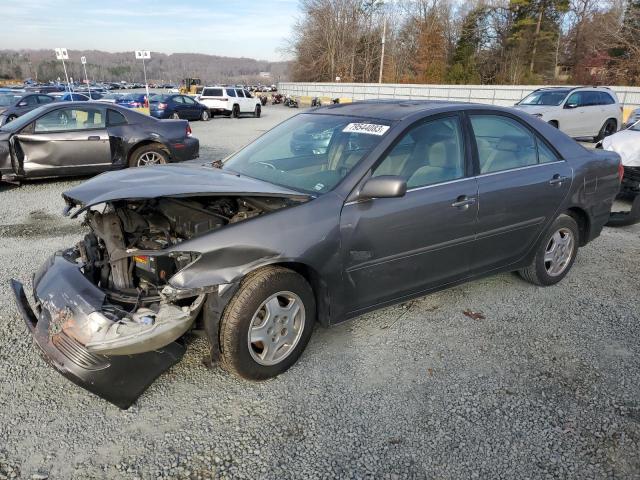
x: 405, y: 198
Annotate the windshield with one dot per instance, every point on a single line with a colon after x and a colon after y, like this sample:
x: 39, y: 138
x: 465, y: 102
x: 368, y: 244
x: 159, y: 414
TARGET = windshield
x: 310, y: 152
x: 8, y: 100
x: 24, y: 120
x: 544, y: 98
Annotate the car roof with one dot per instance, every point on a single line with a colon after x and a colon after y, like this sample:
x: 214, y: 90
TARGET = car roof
x: 394, y: 109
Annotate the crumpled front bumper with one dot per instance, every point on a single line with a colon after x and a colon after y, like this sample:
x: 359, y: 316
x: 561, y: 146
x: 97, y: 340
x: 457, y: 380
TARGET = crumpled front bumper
x: 62, y: 294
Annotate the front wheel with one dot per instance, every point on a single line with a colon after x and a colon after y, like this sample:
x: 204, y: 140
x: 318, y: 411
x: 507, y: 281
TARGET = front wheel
x: 267, y: 324
x: 555, y: 253
x: 204, y: 116
x: 257, y: 111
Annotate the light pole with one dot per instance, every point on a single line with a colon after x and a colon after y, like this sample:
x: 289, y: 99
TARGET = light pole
x: 83, y: 60
x: 144, y: 54
x: 62, y: 54
x: 384, y: 33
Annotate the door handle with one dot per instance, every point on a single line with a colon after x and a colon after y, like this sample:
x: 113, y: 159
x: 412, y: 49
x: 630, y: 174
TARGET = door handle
x: 94, y: 137
x: 557, y: 180
x: 463, y: 202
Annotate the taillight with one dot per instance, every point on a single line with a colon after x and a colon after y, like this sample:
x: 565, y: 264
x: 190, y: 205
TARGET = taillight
x: 135, y: 104
x: 620, y: 171
x: 188, y: 130
x: 162, y: 106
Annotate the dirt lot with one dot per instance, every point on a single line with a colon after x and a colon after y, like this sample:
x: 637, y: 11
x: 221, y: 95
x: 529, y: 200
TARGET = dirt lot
x: 545, y: 385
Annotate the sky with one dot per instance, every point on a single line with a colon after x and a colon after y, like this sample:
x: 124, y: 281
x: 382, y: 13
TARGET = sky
x: 232, y: 28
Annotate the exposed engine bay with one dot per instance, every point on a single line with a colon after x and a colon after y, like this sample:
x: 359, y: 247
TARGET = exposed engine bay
x: 123, y: 256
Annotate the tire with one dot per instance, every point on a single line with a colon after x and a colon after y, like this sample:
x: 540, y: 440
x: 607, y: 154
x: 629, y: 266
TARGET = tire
x: 204, y: 116
x: 175, y: 116
x: 609, y: 128
x: 235, y: 112
x: 257, y: 111
x: 143, y: 156
x: 551, y: 265
x: 246, y: 311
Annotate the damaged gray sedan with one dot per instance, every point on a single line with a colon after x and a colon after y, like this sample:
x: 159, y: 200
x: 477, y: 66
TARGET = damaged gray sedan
x: 404, y: 199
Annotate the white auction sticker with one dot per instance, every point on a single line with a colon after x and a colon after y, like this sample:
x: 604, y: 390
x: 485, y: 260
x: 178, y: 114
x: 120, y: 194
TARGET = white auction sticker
x: 368, y: 128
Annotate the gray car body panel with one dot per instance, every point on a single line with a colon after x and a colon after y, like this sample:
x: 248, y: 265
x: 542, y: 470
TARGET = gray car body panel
x: 362, y: 255
x: 25, y: 154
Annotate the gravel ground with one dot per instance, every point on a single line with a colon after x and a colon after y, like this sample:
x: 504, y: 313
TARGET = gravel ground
x: 545, y: 385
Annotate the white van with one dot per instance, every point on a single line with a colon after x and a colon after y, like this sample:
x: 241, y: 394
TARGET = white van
x: 230, y: 101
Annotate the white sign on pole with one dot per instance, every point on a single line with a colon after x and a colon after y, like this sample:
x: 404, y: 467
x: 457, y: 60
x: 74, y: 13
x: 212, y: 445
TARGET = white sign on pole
x: 62, y: 54
x: 83, y: 60
x: 143, y: 54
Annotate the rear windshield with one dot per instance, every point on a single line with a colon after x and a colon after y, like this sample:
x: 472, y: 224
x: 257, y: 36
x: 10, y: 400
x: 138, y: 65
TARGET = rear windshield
x: 212, y: 92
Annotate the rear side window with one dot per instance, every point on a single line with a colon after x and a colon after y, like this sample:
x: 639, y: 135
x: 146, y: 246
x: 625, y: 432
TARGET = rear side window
x: 115, y: 118
x: 178, y: 99
x: 590, y: 99
x: 606, y: 99
x: 231, y: 92
x: 503, y: 143
x: 212, y: 92
x: 545, y: 154
x: 247, y: 94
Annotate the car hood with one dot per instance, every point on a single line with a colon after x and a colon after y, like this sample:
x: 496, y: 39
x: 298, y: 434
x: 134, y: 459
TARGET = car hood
x: 626, y: 144
x: 532, y: 109
x: 169, y: 181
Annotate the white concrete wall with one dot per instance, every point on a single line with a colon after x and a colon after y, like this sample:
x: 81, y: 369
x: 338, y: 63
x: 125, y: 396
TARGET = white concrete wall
x: 504, y: 95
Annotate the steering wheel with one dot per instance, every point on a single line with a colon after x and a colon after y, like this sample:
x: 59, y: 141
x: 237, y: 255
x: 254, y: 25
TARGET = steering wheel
x: 267, y: 164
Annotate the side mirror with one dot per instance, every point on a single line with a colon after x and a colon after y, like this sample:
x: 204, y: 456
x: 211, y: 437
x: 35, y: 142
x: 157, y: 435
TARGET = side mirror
x: 384, y: 186
x: 22, y: 104
x: 570, y: 105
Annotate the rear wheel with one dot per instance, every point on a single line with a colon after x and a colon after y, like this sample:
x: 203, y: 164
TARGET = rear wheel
x: 11, y: 118
x: 148, y: 155
x: 609, y: 128
x: 257, y: 111
x: 204, y: 116
x: 555, y: 253
x: 267, y: 324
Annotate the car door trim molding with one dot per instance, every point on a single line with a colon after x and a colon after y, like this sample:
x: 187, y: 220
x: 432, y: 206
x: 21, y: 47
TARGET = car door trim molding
x: 412, y: 253
x: 511, y: 228
x: 482, y: 175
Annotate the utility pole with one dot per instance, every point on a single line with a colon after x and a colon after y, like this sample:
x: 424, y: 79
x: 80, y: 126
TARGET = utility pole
x: 384, y: 33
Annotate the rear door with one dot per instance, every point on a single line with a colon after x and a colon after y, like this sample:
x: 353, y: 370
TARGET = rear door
x: 66, y: 141
x: 521, y: 183
x: 575, y: 122
x: 242, y: 101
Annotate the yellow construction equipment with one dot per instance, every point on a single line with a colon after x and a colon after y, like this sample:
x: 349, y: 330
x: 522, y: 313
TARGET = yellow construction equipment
x: 192, y: 86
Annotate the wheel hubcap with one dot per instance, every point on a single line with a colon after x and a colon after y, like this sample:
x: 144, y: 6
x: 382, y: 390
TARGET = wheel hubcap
x: 150, y: 158
x: 276, y: 328
x: 558, y: 252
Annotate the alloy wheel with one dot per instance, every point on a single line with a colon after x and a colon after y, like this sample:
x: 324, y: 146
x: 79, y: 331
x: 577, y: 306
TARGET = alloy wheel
x: 150, y: 158
x: 559, y: 251
x: 276, y: 328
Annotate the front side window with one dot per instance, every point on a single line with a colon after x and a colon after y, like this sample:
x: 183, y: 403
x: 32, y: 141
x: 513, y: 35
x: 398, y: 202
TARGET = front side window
x: 429, y: 153
x: 231, y: 92
x: 30, y: 100
x: 310, y: 152
x: 247, y: 94
x: 188, y: 100
x: 70, y: 119
x: 576, y: 99
x: 503, y: 143
x: 44, y: 99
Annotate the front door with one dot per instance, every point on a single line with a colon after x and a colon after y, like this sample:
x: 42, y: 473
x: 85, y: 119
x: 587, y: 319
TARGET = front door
x: 191, y: 108
x: 521, y: 185
x: 394, y: 247
x: 66, y: 141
